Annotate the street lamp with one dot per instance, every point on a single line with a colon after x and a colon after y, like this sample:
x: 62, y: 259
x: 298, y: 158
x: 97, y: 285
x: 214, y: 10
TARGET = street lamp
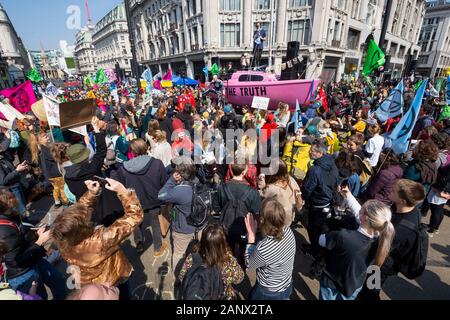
x: 134, y: 65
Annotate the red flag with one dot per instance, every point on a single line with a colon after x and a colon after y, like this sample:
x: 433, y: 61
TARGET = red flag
x: 21, y: 97
x: 323, y: 99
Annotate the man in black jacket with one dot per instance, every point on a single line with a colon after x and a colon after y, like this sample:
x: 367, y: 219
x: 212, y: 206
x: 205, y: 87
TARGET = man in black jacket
x: 318, y: 188
x: 24, y: 258
x: 147, y: 176
x: 108, y: 207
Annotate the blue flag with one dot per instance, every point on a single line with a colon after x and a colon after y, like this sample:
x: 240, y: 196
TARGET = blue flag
x: 147, y: 75
x: 448, y: 90
x: 392, y: 106
x: 51, y: 90
x: 296, y: 118
x: 205, y: 70
x: 401, y: 135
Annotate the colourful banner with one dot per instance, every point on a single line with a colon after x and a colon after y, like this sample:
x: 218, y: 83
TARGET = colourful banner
x: 111, y: 75
x: 401, y: 135
x: 167, y: 80
x: 21, y: 97
x: 448, y: 91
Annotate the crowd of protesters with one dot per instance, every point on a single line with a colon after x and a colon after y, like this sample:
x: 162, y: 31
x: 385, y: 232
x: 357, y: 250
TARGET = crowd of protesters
x: 361, y: 203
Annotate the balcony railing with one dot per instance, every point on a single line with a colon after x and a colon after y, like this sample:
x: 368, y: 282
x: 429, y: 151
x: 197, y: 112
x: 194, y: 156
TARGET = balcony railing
x: 195, y: 47
x: 336, y: 43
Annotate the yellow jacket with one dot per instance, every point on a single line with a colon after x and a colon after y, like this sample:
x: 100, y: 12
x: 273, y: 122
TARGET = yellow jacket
x: 296, y: 154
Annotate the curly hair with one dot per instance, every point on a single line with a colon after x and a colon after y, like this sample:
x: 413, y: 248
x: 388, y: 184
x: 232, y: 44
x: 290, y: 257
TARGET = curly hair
x: 72, y: 227
x: 8, y: 202
x: 426, y: 151
x: 59, y: 152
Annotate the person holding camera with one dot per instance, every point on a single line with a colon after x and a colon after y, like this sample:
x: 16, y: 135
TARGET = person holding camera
x: 24, y: 259
x: 96, y: 252
x: 11, y: 177
x: 178, y: 191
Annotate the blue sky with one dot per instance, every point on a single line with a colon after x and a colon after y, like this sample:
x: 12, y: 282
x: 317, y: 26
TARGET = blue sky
x: 45, y: 20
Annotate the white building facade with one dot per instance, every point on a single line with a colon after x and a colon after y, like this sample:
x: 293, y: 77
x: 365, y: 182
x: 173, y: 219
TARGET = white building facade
x: 111, y: 41
x: 189, y: 34
x: 13, y: 53
x: 434, y: 60
x: 85, y: 58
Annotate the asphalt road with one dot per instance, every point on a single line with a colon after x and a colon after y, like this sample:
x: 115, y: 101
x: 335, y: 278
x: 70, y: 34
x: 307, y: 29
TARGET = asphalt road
x: 153, y: 277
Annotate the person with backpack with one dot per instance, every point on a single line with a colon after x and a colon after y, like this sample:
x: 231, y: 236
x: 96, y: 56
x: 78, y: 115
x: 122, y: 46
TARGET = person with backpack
x: 114, y: 141
x: 210, y: 272
x: 273, y: 256
x: 409, y: 247
x: 146, y: 175
x: 351, y: 252
x: 388, y: 173
x: 436, y: 199
x: 25, y: 257
x: 318, y: 190
x: 423, y: 167
x: 178, y: 191
x: 234, y: 200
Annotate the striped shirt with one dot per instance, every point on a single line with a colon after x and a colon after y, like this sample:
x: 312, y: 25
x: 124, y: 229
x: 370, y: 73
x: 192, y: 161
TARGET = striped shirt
x: 273, y: 261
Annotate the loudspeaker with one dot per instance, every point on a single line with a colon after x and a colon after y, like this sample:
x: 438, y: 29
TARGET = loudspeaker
x: 292, y: 50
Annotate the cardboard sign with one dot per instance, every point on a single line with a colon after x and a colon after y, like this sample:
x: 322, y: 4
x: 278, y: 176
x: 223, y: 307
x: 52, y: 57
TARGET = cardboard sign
x: 261, y: 103
x: 76, y: 113
x: 51, y: 107
x: 11, y: 115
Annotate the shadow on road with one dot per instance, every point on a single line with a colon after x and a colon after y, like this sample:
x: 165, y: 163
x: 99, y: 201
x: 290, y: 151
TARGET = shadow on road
x: 443, y: 250
x: 302, y: 266
x: 429, y: 287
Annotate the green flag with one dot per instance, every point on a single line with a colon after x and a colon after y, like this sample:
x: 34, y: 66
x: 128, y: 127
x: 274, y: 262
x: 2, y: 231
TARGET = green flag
x: 418, y: 84
x: 34, y: 75
x: 374, y: 58
x: 101, y: 77
x: 88, y: 81
x: 214, y: 69
x: 439, y: 83
x: 445, y: 114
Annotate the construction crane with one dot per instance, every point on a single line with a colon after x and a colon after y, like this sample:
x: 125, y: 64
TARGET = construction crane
x: 86, y: 2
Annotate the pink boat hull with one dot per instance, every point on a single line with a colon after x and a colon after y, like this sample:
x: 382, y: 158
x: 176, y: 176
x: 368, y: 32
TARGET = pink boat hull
x: 240, y: 91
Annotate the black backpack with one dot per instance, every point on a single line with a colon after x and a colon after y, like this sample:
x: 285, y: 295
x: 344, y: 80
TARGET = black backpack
x: 416, y: 260
x: 201, y: 207
x: 233, y: 214
x: 201, y: 282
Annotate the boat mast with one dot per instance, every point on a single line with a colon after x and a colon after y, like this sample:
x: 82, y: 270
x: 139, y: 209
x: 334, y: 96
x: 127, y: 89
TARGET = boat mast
x: 272, y: 31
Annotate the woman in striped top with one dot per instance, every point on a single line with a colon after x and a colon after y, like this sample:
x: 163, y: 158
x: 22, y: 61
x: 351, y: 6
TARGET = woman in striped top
x: 273, y: 257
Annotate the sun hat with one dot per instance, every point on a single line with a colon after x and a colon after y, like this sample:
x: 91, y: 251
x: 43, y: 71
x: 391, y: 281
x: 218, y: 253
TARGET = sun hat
x: 78, y: 153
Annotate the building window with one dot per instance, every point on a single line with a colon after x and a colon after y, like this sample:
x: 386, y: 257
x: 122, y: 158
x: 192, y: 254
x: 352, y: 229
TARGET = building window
x: 299, y: 30
x: 230, y: 5
x: 262, y: 4
x: 353, y: 39
x: 299, y: 3
x: 355, y: 9
x: 230, y: 35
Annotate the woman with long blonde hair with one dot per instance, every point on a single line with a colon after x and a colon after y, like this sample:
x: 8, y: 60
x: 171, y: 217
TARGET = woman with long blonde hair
x: 351, y: 252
